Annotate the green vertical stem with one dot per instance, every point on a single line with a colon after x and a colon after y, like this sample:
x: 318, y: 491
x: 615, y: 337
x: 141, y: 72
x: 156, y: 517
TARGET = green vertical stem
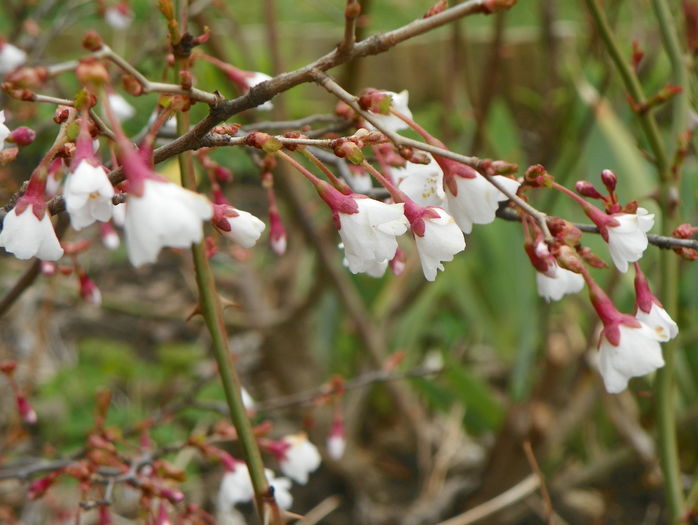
x: 664, y: 385
x: 212, y: 312
x: 665, y: 390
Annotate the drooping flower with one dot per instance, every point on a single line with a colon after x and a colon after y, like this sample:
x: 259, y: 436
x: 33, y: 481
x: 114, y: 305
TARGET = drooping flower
x: 88, y: 290
x: 110, y: 238
x: 437, y: 235
x: 627, y: 240
x: 336, y: 441
x: 557, y: 282
x: 298, y: 457
x: 650, y: 311
x: 636, y: 352
x: 27, y: 230
x: 237, y: 225
x: 11, y: 57
x: 369, y: 232
x: 627, y: 348
x: 553, y: 282
x: 158, y: 212
x: 470, y: 197
x: 236, y: 487
x: 165, y: 214
x: 423, y: 183
x: 88, y: 192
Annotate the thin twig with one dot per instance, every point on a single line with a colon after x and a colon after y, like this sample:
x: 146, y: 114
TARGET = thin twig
x: 547, y: 503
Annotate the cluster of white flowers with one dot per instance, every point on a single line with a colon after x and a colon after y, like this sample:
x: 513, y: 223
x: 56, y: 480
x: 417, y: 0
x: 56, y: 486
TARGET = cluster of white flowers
x: 298, y: 458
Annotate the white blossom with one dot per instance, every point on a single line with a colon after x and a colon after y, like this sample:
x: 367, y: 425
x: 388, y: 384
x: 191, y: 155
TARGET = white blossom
x: 282, y: 489
x: 558, y: 282
x: 628, y: 240
x: 638, y: 353
x: 300, y: 458
x: 660, y: 321
x: 369, y: 236
x: 26, y: 236
x: 88, y: 195
x: 255, y: 78
x: 236, y: 487
x: 4, y: 130
x: 423, y: 183
x: 477, y: 200
x: 11, y: 57
x: 442, y: 239
x: 336, y: 445
x: 245, y: 229
x: 165, y: 215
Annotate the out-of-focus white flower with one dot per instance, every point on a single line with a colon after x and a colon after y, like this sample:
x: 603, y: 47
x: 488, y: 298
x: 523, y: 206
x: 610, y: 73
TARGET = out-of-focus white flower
x: 637, y: 353
x: 119, y: 214
x: 255, y: 77
x: 423, y: 183
x: 89, y: 291
x: 558, y: 282
x: 282, y: 489
x: 369, y: 236
x: 110, y: 239
x: 359, y: 180
x: 11, y: 57
x: 236, y: 487
x: 628, y: 239
x: 237, y: 225
x: 474, y: 200
x: 119, y: 16
x: 88, y: 195
x: 438, y: 239
x: 121, y: 108
x: 4, y: 130
x: 300, y: 458
x: 399, y: 102
x: 336, y: 441
x: 247, y: 399
x: 164, y: 215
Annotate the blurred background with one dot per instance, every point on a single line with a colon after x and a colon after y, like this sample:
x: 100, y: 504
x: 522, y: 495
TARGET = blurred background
x: 445, y: 381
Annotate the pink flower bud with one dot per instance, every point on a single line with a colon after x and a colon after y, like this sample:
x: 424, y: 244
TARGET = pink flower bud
x: 609, y: 180
x: 587, y: 189
x: 22, y: 136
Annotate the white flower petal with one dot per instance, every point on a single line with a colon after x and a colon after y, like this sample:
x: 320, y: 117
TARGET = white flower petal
x: 628, y: 241
x: 477, y: 200
x: 302, y: 458
x: 637, y: 354
x: 11, y: 57
x: 560, y: 283
x: 25, y: 236
x: 88, y: 195
x: 165, y: 215
x: 245, y: 229
x: 659, y: 320
x: 441, y: 241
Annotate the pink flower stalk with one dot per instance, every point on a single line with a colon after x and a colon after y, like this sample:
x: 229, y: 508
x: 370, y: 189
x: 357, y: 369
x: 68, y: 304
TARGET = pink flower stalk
x: 27, y: 230
x: 277, y: 231
x: 436, y: 234
x: 163, y: 517
x: 627, y: 347
x: 650, y: 311
x: 88, y: 192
